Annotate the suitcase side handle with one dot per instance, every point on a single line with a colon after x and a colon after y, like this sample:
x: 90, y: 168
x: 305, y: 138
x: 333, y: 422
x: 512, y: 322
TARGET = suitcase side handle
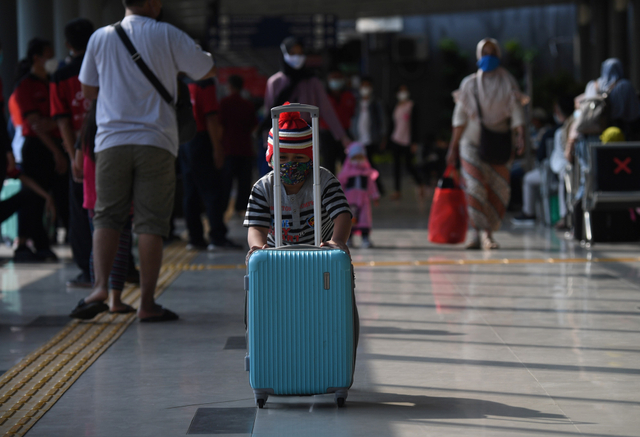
x: 277, y: 186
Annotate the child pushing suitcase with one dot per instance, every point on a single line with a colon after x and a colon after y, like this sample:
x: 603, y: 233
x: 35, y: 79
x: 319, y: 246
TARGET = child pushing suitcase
x: 296, y: 166
x: 302, y: 321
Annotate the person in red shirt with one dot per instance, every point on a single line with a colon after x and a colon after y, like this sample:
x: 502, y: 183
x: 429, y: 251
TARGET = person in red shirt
x: 7, y: 161
x: 344, y: 104
x: 42, y: 154
x: 238, y: 120
x: 201, y: 162
x: 68, y: 109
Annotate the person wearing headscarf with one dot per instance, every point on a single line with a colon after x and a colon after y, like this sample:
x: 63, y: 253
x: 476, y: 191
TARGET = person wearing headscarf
x: 625, y: 107
x: 625, y: 113
x: 487, y: 186
x: 296, y: 83
x: 623, y: 100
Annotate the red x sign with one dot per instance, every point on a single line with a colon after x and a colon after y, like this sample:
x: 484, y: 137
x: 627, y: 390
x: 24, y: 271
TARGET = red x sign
x: 622, y: 165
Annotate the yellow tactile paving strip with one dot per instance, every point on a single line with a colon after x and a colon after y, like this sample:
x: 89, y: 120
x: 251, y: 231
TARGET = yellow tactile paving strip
x: 445, y: 262
x: 33, y: 386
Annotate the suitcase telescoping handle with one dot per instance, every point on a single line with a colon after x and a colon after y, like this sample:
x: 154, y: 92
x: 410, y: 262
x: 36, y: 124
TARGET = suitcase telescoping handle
x: 277, y: 186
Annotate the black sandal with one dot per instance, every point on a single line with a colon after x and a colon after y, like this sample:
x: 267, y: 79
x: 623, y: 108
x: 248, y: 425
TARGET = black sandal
x: 127, y: 310
x: 87, y: 311
x: 166, y: 316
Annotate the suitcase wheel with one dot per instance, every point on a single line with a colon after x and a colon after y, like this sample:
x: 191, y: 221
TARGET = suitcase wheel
x: 340, y: 402
x: 260, y: 403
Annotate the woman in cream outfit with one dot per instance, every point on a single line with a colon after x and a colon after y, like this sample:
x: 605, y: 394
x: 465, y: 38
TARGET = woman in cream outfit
x: 487, y: 185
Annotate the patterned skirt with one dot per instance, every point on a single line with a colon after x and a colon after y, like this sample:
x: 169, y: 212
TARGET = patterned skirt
x: 487, y: 187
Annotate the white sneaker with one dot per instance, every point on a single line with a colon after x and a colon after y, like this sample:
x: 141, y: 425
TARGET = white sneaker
x: 366, y: 243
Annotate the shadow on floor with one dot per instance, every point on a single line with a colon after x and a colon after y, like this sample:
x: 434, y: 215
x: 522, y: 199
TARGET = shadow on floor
x: 429, y: 407
x: 392, y: 330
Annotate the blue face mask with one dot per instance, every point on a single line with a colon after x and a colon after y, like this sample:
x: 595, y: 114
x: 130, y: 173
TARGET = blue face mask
x: 488, y: 63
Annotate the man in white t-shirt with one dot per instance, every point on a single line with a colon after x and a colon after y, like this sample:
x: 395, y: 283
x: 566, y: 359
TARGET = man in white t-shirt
x: 136, y: 143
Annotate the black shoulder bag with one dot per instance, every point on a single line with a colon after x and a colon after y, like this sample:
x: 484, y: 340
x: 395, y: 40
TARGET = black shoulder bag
x: 187, y: 127
x: 495, y: 147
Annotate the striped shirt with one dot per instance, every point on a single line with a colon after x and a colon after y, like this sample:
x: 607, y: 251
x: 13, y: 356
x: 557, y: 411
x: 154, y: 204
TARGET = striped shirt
x: 297, y: 209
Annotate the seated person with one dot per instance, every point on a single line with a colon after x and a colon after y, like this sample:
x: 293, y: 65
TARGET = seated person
x: 10, y: 206
x: 297, y: 201
x: 533, y: 178
x: 624, y: 112
x: 558, y: 162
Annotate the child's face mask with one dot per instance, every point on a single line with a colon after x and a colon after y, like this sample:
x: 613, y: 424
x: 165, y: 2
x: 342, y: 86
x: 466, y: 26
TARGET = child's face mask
x: 358, y: 162
x: 293, y: 172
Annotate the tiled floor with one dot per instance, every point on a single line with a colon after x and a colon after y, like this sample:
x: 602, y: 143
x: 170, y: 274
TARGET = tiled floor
x: 445, y: 350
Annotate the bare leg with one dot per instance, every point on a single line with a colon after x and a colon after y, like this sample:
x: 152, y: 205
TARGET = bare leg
x: 488, y: 242
x: 105, y: 247
x: 115, y: 300
x: 474, y: 242
x: 150, y: 248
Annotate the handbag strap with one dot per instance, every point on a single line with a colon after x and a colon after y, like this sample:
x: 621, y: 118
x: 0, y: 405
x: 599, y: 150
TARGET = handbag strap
x: 606, y: 93
x: 477, y: 95
x: 142, y: 65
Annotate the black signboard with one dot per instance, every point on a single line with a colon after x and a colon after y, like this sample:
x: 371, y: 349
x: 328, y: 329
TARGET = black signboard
x: 317, y: 31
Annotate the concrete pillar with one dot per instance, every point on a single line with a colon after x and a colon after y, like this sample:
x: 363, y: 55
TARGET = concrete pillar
x: 112, y: 12
x: 91, y: 10
x: 619, y: 32
x: 34, y: 19
x: 635, y: 44
x: 9, y: 38
x: 63, y: 12
x: 600, y: 34
x: 582, y: 50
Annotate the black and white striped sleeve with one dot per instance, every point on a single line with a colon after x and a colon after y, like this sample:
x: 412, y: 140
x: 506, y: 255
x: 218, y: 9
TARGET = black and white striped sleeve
x: 258, y: 209
x: 333, y: 198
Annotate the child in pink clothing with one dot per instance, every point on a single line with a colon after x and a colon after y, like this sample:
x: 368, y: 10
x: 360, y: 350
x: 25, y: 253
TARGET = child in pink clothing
x: 85, y: 159
x: 358, y: 180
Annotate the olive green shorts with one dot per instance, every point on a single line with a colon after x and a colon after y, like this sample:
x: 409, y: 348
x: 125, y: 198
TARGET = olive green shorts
x: 142, y: 175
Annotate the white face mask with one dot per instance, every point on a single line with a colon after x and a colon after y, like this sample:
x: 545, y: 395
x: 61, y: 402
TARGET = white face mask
x: 336, y: 84
x: 51, y: 65
x: 576, y: 114
x: 365, y: 91
x: 557, y: 119
x: 403, y: 95
x: 294, y: 61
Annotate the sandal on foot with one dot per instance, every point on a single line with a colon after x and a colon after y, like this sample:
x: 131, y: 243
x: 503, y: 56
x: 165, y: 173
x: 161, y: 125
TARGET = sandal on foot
x: 87, y: 311
x: 490, y: 244
x: 127, y: 310
x: 166, y: 316
x: 473, y: 244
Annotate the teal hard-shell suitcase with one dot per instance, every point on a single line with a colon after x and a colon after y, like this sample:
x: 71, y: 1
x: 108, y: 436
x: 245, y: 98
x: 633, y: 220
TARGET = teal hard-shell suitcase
x: 302, y: 323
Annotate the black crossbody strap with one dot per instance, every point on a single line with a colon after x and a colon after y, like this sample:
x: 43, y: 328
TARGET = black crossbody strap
x: 477, y: 95
x: 141, y: 64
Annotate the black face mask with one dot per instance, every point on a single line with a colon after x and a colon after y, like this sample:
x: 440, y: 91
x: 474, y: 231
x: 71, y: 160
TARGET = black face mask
x: 160, y: 15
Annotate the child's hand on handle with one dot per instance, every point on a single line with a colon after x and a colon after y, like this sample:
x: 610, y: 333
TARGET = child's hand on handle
x: 253, y: 249
x: 334, y: 244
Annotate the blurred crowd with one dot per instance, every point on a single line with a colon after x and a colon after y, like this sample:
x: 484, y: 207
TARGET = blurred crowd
x: 49, y: 120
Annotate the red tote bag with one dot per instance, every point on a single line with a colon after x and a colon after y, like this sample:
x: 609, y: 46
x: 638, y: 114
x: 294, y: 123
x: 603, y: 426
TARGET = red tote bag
x: 448, y: 217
